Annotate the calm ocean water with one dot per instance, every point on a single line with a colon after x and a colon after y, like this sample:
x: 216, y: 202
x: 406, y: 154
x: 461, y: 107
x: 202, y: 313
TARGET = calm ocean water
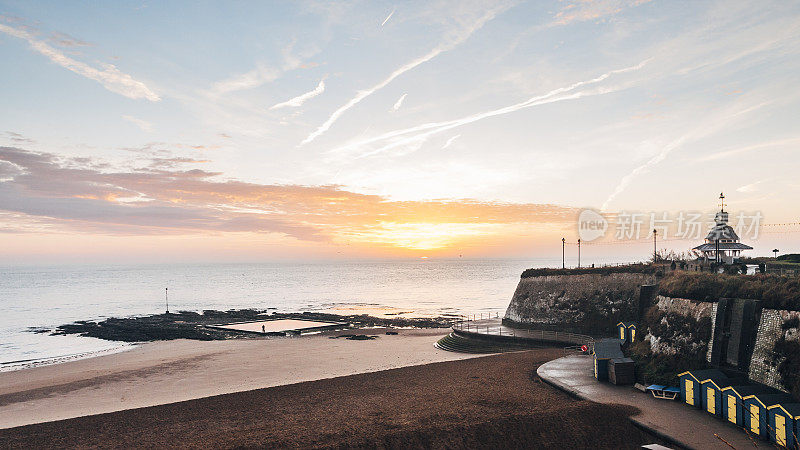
x: 45, y: 297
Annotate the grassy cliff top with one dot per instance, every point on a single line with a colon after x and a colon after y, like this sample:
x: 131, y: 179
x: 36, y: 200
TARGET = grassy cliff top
x: 775, y: 292
x: 605, y: 270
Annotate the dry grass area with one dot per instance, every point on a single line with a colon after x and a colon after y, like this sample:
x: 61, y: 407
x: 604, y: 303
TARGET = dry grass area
x: 489, y: 402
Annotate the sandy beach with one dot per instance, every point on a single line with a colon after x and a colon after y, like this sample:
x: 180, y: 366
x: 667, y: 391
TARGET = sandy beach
x: 163, y: 372
x: 496, y: 401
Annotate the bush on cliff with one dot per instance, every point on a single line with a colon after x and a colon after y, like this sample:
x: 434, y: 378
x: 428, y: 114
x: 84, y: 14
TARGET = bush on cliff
x: 775, y: 292
x: 607, y: 270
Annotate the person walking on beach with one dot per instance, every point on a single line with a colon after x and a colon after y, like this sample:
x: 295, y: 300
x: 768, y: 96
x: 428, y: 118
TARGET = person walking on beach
x: 263, y: 329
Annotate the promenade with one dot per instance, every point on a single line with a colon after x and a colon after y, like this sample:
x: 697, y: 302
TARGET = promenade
x: 673, y: 421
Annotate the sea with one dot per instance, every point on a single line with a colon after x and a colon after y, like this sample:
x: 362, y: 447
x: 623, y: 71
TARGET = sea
x: 39, y: 298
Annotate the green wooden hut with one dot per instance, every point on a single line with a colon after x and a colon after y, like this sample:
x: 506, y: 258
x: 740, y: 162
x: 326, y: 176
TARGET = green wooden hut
x: 690, y: 384
x: 754, y: 409
x: 711, y: 394
x: 783, y: 421
x: 604, y: 351
x: 732, y: 409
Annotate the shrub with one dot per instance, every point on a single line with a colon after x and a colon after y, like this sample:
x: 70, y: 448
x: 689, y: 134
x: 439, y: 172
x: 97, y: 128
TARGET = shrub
x: 775, y: 292
x: 607, y: 270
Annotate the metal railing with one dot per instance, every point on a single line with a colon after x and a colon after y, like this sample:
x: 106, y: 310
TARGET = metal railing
x: 475, y: 327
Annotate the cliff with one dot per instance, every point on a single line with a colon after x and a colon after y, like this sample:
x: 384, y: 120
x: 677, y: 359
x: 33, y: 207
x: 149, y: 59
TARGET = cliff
x: 584, y: 303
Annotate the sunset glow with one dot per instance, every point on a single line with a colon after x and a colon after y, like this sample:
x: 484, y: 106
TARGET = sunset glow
x: 344, y: 129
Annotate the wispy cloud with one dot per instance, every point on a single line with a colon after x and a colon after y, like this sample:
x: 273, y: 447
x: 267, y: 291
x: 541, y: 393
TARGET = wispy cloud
x: 449, y: 44
x: 388, y: 17
x: 109, y: 76
x: 248, y: 80
x: 300, y: 99
x: 399, y: 102
x: 788, y: 142
x: 707, y: 127
x: 263, y: 73
x: 143, y: 124
x: 450, y: 141
x: 583, y: 10
x: 163, y: 198
x: 416, y: 135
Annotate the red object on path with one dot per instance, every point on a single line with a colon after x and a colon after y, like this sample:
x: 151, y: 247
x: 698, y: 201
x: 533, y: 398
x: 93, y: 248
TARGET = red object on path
x: 584, y: 348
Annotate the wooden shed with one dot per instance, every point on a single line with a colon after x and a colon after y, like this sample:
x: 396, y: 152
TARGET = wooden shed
x: 754, y: 409
x: 711, y: 394
x: 783, y: 419
x: 626, y: 332
x: 732, y: 409
x: 690, y: 384
x: 604, y: 351
x: 621, y: 371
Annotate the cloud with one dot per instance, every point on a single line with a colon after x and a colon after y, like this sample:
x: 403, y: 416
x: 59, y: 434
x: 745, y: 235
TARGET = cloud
x: 707, y: 127
x: 451, y: 42
x: 450, y: 141
x: 86, y: 194
x: 399, y: 102
x: 388, y: 17
x: 248, y: 80
x: 65, y: 40
x: 583, y: 10
x: 18, y: 138
x: 418, y: 134
x: 109, y: 76
x: 263, y: 74
x: 143, y: 124
x: 300, y: 99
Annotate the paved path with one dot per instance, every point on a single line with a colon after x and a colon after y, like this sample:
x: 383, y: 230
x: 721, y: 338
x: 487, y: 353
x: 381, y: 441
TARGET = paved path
x: 494, y: 327
x: 672, y: 420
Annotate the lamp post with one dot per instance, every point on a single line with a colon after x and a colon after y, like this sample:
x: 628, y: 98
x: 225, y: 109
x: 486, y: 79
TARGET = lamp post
x: 579, y: 253
x: 775, y: 251
x: 563, y: 256
x: 655, y: 247
x: 166, y: 298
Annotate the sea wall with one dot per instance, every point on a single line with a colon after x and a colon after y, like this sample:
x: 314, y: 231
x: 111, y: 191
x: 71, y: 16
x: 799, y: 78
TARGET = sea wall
x: 585, y: 303
x: 775, y: 352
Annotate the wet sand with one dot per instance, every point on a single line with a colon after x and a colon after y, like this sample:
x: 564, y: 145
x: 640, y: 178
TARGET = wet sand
x: 172, y: 371
x: 491, y: 402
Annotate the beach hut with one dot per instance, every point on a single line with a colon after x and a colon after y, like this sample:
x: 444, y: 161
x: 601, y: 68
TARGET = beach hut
x: 626, y: 332
x: 783, y: 419
x: 690, y: 384
x: 621, y: 371
x: 754, y: 411
x: 711, y: 394
x: 604, y: 351
x: 732, y: 410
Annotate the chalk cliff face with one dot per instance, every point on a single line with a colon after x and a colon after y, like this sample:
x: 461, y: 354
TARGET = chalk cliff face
x: 678, y: 326
x: 589, y: 303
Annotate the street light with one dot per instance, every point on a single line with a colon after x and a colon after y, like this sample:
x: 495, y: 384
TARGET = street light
x: 655, y: 248
x: 166, y: 298
x: 775, y: 251
x: 563, y: 257
x: 579, y: 253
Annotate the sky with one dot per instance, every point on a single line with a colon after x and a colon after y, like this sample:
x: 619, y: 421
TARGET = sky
x: 248, y: 131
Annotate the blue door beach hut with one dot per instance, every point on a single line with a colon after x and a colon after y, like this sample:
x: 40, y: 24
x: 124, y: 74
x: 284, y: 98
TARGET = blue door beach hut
x: 711, y: 394
x: 626, y: 332
x: 782, y: 419
x: 690, y: 384
x: 732, y: 409
x: 754, y: 411
x: 604, y: 351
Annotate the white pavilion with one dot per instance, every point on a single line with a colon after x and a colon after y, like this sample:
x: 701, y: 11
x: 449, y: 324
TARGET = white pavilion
x: 722, y: 244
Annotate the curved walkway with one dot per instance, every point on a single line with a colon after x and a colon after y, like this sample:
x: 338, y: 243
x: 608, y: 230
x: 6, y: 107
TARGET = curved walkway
x: 672, y: 421
x: 493, y: 329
